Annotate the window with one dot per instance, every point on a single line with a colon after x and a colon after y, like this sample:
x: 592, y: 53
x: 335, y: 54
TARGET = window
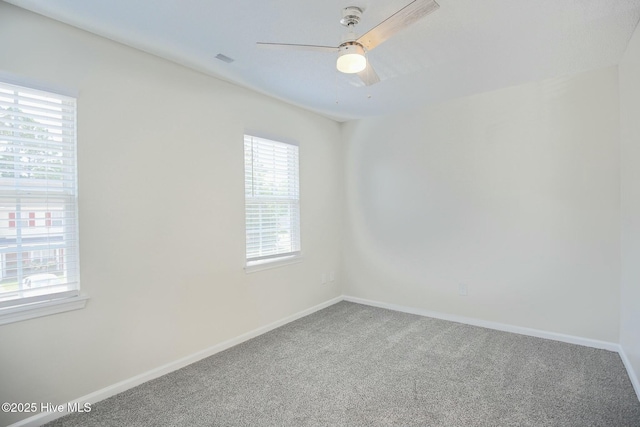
x: 272, y: 200
x: 38, y: 197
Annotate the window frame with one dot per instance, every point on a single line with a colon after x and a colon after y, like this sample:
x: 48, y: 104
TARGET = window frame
x: 278, y: 259
x: 54, y: 299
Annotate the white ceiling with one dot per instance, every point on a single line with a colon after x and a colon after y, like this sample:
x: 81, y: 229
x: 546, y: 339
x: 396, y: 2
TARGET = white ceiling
x: 465, y: 47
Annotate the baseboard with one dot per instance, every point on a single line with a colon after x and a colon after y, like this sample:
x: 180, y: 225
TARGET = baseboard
x: 605, y: 345
x: 630, y: 371
x: 43, y: 418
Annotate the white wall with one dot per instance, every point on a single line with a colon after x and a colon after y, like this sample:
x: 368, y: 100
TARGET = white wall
x: 630, y: 194
x: 161, y: 210
x: 514, y: 193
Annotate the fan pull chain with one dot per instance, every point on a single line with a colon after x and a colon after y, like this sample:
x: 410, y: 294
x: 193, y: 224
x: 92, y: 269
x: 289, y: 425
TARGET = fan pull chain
x: 366, y: 55
x: 336, y: 85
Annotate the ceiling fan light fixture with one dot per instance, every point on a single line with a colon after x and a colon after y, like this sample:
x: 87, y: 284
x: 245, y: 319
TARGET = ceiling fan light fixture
x: 351, y: 59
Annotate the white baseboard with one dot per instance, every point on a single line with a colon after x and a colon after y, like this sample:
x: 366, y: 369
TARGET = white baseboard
x: 43, y: 418
x: 605, y: 345
x: 632, y: 373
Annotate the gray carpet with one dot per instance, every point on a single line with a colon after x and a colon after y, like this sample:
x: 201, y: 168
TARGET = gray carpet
x: 354, y: 365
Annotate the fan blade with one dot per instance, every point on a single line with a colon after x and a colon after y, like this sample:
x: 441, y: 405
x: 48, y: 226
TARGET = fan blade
x: 403, y: 18
x: 369, y: 75
x: 290, y: 46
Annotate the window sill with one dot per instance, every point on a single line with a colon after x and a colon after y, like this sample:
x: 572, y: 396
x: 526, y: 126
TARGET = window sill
x: 272, y: 263
x: 39, y: 309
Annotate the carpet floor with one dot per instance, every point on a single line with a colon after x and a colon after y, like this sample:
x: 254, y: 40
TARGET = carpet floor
x: 355, y: 365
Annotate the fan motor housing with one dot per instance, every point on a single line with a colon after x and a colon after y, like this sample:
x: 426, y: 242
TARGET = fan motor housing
x: 351, y: 58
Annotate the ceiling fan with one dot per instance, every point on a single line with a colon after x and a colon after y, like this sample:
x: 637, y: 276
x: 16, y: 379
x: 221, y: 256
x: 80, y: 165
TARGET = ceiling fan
x: 352, y: 51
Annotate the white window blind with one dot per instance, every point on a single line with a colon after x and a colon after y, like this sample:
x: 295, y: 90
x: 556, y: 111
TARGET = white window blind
x: 272, y: 199
x: 38, y: 196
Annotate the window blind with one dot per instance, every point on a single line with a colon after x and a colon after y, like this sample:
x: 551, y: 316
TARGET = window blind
x: 272, y: 199
x: 38, y: 196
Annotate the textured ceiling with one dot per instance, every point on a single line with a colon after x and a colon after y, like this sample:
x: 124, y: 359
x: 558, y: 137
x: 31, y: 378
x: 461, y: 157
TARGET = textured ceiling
x: 465, y: 47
